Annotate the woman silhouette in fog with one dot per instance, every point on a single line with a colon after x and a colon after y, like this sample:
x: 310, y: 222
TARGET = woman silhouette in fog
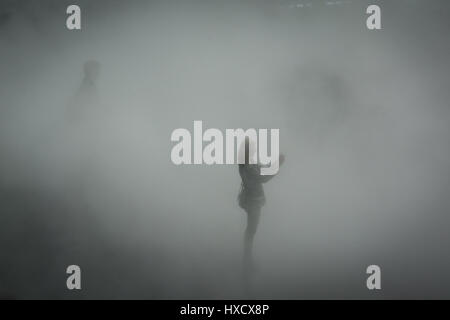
x: 83, y: 125
x: 251, y: 197
x: 86, y: 97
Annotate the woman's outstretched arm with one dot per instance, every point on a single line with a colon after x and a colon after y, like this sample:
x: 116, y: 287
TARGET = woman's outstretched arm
x: 255, y: 171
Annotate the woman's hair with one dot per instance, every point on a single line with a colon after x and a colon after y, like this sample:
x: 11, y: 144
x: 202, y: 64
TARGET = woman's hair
x: 246, y: 150
x: 91, y: 69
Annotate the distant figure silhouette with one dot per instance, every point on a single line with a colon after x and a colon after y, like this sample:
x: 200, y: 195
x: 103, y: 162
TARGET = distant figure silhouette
x: 251, y: 197
x: 83, y: 126
x: 86, y: 97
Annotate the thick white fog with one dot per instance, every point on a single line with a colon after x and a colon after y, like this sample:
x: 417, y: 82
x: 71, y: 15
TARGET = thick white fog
x: 363, y: 118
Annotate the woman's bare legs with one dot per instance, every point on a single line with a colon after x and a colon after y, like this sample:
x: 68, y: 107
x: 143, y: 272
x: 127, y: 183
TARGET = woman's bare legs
x: 253, y: 214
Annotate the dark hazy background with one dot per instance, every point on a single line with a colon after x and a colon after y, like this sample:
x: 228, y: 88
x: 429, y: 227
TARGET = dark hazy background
x: 364, y: 123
